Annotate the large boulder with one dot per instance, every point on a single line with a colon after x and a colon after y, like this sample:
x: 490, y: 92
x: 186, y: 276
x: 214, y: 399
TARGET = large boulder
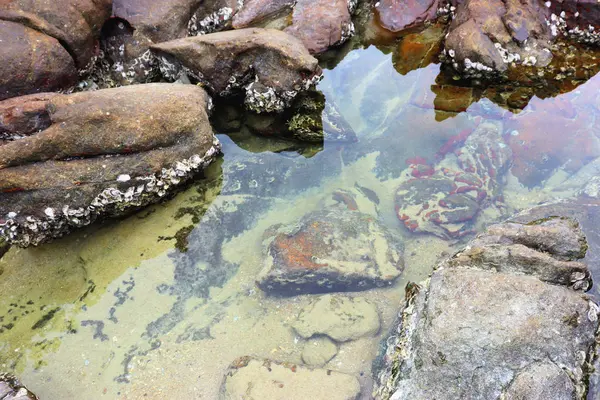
x: 336, y: 249
x: 322, y: 24
x: 397, y: 15
x: 12, y: 389
x: 268, y: 66
x: 257, y: 11
x: 487, y: 325
x: 47, y: 43
x: 487, y: 36
x: 74, y: 158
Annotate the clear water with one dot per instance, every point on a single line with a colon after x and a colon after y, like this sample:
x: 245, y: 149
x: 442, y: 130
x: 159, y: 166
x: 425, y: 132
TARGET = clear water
x: 160, y: 303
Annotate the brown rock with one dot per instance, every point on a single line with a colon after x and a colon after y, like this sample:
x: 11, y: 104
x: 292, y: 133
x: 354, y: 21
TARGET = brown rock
x: 397, y: 15
x: 418, y: 50
x: 98, y: 154
x: 321, y: 24
x: 213, y: 16
x: 75, y: 24
x: 270, y: 66
x: 34, y: 62
x: 256, y: 11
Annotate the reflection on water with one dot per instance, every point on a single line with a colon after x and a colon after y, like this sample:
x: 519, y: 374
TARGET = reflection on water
x: 161, y: 303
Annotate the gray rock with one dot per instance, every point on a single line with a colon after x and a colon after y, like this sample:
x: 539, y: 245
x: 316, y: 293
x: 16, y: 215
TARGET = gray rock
x: 341, y: 318
x: 335, y: 249
x: 482, y: 330
x: 318, y: 351
x: 12, y: 389
x: 255, y: 379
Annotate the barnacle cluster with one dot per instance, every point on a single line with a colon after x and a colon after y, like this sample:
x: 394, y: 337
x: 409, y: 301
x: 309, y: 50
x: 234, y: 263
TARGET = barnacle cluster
x: 25, y: 230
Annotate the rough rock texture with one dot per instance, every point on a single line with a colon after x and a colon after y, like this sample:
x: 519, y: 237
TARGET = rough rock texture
x: 487, y: 36
x: 397, y: 15
x: 486, y: 330
x: 339, y: 317
x: 322, y: 24
x: 256, y: 11
x: 92, y: 154
x: 318, y: 351
x: 445, y: 201
x: 577, y: 19
x: 12, y: 389
x: 213, y: 16
x: 269, y: 66
x: 331, y: 250
x: 255, y: 379
x: 47, y: 43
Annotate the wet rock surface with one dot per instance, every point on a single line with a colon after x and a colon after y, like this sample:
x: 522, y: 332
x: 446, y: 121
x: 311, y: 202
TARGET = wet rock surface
x: 92, y: 154
x: 493, y: 328
x: 336, y: 249
x: 12, y: 389
x: 256, y: 11
x: 319, y: 351
x: 247, y: 61
x: 255, y: 379
x: 341, y: 318
x: 322, y: 24
x: 397, y: 15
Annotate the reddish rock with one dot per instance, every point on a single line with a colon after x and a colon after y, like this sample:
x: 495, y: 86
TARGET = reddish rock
x: 418, y: 50
x: 321, y: 24
x: 257, y: 11
x: 34, y: 62
x: 397, y: 15
x: 332, y: 250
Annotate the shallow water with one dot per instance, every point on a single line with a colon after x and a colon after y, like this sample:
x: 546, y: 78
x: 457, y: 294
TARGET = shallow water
x: 162, y: 302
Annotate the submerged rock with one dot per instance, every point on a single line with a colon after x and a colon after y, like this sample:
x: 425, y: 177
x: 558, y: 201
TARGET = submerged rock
x: 445, y: 201
x: 484, y: 326
x: 12, y: 389
x: 331, y: 250
x: 319, y: 351
x: 47, y: 43
x: 339, y: 317
x: 321, y: 24
x: 254, y: 379
x: 268, y: 66
x: 97, y: 154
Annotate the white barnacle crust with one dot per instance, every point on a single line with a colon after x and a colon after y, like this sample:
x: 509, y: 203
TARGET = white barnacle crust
x: 213, y: 22
x: 26, y: 230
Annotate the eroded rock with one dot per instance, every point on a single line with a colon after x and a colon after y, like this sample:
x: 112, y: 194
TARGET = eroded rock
x: 247, y: 61
x: 397, y: 15
x: 319, y: 351
x: 96, y: 154
x: 257, y: 11
x: 336, y: 249
x: 500, y: 332
x: 256, y: 379
x: 339, y: 317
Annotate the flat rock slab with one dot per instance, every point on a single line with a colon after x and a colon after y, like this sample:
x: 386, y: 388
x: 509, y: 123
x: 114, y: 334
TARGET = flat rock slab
x: 480, y: 330
x: 339, y: 317
x: 73, y: 158
x: 331, y: 250
x: 269, y: 66
x: 255, y: 379
x: 319, y: 351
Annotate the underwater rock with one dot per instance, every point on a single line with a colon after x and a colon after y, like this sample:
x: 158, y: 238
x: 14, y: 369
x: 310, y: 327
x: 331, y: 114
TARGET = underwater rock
x: 247, y: 61
x: 342, y: 318
x: 487, y: 36
x: 319, y: 351
x: 255, y: 379
x: 322, y: 24
x: 257, y: 11
x: 335, y: 249
x: 12, y: 389
x: 97, y: 154
x: 445, y: 201
x: 419, y: 49
x: 397, y: 15
x: 491, y: 329
x: 47, y: 43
